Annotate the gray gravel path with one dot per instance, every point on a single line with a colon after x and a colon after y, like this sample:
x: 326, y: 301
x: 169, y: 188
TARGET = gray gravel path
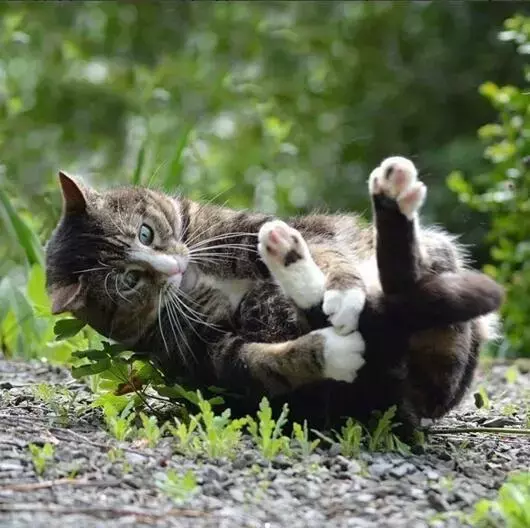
x: 429, y: 488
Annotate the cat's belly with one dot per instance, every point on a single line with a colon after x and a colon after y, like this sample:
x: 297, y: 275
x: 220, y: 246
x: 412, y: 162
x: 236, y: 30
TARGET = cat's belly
x: 233, y: 289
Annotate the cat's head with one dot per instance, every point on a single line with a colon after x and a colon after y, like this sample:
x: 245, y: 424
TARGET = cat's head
x: 114, y: 256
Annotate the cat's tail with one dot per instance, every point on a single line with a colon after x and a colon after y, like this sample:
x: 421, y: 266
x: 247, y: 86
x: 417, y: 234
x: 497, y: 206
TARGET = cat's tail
x: 435, y: 301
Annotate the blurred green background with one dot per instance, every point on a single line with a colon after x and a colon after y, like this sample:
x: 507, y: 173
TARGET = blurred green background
x: 278, y: 106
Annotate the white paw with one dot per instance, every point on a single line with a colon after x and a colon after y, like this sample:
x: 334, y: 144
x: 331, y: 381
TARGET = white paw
x: 397, y: 178
x: 343, y: 308
x: 343, y: 355
x: 285, y: 252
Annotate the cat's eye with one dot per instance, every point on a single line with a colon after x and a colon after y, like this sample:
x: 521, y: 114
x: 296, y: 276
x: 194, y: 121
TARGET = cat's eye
x: 146, y: 235
x: 130, y: 279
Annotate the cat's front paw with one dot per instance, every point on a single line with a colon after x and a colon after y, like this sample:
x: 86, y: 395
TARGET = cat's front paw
x: 343, y: 355
x: 285, y: 252
x: 343, y: 308
x: 397, y: 178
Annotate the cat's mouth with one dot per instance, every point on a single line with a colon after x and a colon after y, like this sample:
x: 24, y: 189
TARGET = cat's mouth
x: 188, y: 279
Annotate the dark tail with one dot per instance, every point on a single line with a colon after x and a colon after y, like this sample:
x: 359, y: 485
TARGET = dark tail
x: 433, y: 302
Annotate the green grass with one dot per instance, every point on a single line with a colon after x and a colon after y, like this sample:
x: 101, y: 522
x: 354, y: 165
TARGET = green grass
x: 511, y: 507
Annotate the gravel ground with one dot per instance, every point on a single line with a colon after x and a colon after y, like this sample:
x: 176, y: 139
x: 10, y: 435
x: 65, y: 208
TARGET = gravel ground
x: 429, y: 488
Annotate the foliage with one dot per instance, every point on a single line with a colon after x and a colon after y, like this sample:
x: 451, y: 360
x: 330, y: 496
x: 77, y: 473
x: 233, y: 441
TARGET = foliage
x: 504, y: 191
x: 119, y: 424
x: 60, y: 400
x: 511, y: 508
x: 150, y: 430
x: 178, y: 487
x: 41, y: 456
x: 216, y: 436
x: 267, y: 432
x: 305, y: 445
x: 353, y: 436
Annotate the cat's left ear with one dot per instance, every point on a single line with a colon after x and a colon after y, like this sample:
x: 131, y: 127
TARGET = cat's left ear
x: 74, y: 196
x: 67, y: 298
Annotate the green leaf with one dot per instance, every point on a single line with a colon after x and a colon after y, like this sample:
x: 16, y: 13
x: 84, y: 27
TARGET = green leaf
x: 66, y: 328
x: 92, y: 354
x: 92, y: 368
x: 140, y: 162
x: 25, y: 236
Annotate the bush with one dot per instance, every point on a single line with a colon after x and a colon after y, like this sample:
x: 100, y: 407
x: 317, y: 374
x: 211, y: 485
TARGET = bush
x: 504, y: 193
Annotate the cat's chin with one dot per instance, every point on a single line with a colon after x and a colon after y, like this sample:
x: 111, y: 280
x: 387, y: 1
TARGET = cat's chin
x: 189, y: 279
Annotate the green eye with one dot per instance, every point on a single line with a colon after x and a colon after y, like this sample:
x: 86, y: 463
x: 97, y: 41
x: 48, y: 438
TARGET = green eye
x: 146, y: 235
x: 130, y: 279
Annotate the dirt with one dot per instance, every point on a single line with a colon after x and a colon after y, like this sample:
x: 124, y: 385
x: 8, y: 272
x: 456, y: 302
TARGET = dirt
x: 94, y: 480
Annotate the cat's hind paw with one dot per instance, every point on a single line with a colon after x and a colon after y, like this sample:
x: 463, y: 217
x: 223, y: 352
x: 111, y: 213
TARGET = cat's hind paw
x: 285, y: 252
x: 343, y: 355
x: 343, y: 308
x: 397, y: 179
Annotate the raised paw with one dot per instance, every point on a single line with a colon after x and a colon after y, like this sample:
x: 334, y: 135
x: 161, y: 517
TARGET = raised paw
x: 396, y: 178
x: 343, y: 355
x: 285, y: 252
x: 343, y: 308
x: 280, y: 244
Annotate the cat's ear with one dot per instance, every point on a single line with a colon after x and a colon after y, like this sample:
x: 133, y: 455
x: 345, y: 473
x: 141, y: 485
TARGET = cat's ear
x: 67, y: 298
x: 74, y: 196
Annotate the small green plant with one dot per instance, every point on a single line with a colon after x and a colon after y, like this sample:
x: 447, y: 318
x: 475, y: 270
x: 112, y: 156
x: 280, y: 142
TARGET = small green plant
x: 150, y: 430
x: 119, y: 423
x: 60, y: 400
x: 115, y: 454
x: 267, y: 432
x: 41, y: 456
x: 301, y: 437
x: 382, y: 438
x: 215, y: 435
x: 511, y: 374
x: 482, y: 400
x: 349, y: 438
x: 511, y: 508
x: 178, y: 487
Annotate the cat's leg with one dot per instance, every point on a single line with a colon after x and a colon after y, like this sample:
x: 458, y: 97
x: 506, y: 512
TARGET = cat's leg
x: 437, y: 359
x: 282, y: 367
x: 404, y: 253
x: 313, y: 277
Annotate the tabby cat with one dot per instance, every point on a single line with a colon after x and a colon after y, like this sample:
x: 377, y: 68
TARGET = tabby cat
x: 336, y: 317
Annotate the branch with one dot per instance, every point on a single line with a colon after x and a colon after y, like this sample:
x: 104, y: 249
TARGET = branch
x: 492, y: 430
x: 59, y: 482
x: 99, y: 511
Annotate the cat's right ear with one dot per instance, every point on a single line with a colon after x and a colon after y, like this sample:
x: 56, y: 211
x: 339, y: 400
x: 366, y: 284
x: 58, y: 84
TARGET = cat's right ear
x: 74, y: 197
x: 67, y: 298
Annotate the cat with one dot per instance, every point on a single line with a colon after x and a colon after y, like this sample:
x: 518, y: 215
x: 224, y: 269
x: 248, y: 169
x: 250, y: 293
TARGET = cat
x: 316, y: 310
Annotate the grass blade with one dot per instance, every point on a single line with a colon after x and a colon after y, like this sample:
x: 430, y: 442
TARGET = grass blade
x: 25, y: 236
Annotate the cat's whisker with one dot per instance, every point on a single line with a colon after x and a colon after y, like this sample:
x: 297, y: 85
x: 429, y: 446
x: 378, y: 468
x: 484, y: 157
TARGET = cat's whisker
x: 161, y: 325
x: 88, y: 270
x: 219, y: 237
x: 105, y: 285
x: 174, y: 311
x: 193, y: 313
x: 118, y: 290
x: 215, y: 258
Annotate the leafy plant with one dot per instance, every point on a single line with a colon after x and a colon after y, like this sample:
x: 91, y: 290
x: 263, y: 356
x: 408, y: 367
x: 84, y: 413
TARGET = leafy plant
x: 61, y: 400
x: 301, y: 437
x: 511, y: 508
x: 178, y: 487
x: 119, y: 423
x: 267, y: 432
x: 503, y: 193
x: 150, y: 430
x: 349, y: 438
x: 216, y: 436
x: 41, y: 456
x: 382, y: 437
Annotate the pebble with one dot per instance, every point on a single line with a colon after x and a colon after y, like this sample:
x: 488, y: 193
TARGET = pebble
x: 402, y: 470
